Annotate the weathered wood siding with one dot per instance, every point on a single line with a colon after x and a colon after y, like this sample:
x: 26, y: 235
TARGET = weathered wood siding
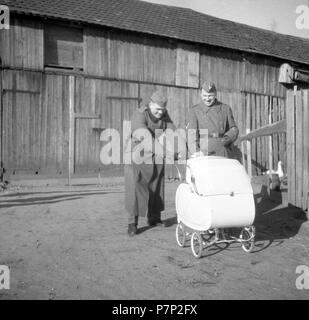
x: 35, y: 122
x: 298, y: 147
x: 259, y: 111
x: 118, y: 68
x: 22, y: 45
x: 120, y: 55
x: 236, y: 72
x: 113, y: 101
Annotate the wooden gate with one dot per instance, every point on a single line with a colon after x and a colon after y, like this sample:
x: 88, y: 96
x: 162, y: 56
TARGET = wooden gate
x: 34, y: 123
x: 298, y: 147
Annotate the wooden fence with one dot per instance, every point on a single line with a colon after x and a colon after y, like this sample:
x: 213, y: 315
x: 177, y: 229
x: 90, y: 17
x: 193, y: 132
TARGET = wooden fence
x: 264, y: 152
x: 298, y: 147
x: 296, y: 128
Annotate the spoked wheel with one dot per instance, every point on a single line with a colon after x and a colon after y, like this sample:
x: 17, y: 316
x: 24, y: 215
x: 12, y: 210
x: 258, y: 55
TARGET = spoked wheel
x: 247, y: 235
x: 180, y: 235
x: 196, y: 244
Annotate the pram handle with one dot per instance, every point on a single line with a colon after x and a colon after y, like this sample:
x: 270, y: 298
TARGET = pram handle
x: 193, y: 185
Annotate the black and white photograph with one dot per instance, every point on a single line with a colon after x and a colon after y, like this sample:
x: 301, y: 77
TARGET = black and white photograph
x: 154, y: 150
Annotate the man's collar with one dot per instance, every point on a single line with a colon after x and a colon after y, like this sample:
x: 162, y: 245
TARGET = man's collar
x: 207, y: 108
x: 213, y: 104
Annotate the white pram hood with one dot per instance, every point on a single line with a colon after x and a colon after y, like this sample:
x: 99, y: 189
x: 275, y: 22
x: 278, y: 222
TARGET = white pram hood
x: 217, y: 176
x: 221, y: 198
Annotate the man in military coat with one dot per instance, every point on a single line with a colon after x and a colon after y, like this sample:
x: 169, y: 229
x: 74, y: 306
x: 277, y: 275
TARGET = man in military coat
x: 218, y: 119
x: 144, y: 180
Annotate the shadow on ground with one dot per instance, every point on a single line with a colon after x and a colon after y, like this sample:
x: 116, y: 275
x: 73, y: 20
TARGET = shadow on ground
x: 274, y: 222
x: 49, y: 199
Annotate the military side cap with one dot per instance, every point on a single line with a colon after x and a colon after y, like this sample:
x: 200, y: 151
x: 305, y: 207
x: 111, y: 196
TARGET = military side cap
x: 159, y: 98
x: 209, y: 87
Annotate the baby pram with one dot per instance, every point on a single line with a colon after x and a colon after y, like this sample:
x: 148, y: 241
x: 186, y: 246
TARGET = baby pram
x: 217, y: 195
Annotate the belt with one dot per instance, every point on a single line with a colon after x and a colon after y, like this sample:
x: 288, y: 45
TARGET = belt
x: 215, y: 135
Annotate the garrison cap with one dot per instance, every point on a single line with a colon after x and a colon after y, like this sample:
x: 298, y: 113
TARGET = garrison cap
x: 159, y: 98
x: 209, y: 87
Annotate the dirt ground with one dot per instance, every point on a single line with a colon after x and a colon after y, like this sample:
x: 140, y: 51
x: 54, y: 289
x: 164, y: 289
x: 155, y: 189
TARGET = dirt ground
x: 64, y: 242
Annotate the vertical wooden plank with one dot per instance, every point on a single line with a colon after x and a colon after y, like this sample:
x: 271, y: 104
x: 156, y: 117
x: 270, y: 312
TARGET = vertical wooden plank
x: 243, y: 154
x: 270, y: 138
x: 275, y: 136
x: 252, y: 127
x: 242, y: 124
x: 43, y: 121
x: 71, y: 127
x: 1, y: 118
x: 258, y: 140
x: 305, y: 149
x: 289, y: 101
x: 248, y: 125
x: 249, y: 156
x: 291, y: 146
x: 299, y: 147
x: 265, y: 121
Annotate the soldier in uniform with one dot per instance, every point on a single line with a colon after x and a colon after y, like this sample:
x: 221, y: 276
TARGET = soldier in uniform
x: 144, y: 182
x: 218, y: 119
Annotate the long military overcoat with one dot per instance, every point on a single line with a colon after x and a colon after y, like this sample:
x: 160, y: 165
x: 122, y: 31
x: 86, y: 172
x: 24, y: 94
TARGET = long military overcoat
x: 219, y: 121
x: 144, y: 183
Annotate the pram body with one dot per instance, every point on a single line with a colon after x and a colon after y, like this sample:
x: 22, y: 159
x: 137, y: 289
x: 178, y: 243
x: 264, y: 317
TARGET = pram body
x: 217, y: 195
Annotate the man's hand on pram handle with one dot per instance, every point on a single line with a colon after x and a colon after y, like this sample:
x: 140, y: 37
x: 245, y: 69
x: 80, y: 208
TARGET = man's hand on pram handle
x: 226, y: 141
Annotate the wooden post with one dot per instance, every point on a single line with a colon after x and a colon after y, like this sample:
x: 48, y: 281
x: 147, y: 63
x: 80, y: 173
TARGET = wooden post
x: 1, y: 126
x: 306, y: 150
x: 243, y: 153
x: 290, y: 139
x: 299, y: 148
x: 248, y: 128
x: 249, y: 155
x: 71, y: 128
x: 270, y: 139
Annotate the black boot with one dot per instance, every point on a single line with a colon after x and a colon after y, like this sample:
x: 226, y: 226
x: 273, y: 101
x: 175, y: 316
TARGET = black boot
x: 156, y: 223
x: 132, y: 229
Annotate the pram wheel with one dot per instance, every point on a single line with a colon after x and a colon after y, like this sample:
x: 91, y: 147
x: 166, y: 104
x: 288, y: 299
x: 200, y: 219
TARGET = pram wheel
x: 247, y: 238
x: 180, y: 235
x: 196, y: 244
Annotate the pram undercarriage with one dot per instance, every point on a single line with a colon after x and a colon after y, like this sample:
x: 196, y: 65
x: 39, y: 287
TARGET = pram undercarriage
x: 201, y: 240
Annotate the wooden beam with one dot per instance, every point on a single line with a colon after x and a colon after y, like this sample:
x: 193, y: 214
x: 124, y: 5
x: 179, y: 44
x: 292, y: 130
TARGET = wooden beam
x: 123, y: 98
x: 86, y: 116
x: 262, y: 94
x: 21, y: 91
x: 300, y: 76
x: 277, y: 127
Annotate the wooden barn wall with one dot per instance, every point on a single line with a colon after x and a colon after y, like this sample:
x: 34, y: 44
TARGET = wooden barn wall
x: 187, y: 66
x: 115, y: 101
x: 121, y: 55
x: 233, y: 71
x: 112, y: 102
x: 36, y: 109
x: 35, y: 118
x: 22, y: 45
